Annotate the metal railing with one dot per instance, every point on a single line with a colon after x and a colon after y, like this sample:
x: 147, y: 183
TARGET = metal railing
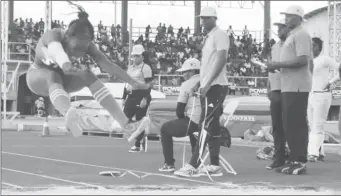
x: 19, y: 51
x: 137, y: 31
x: 169, y: 84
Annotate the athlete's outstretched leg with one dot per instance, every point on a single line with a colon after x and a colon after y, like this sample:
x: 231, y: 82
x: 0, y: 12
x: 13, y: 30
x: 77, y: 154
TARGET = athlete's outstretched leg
x: 105, y: 98
x: 47, y: 82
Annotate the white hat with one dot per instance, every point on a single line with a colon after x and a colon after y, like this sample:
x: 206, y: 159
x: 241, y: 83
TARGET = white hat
x: 137, y: 50
x: 294, y: 10
x: 208, y: 12
x: 190, y: 64
x: 281, y: 22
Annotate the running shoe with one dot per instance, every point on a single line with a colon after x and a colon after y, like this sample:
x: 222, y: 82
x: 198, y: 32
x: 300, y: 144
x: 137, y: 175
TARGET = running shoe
x: 167, y: 168
x: 72, y: 121
x: 321, y: 158
x: 274, y: 165
x: 283, y: 167
x: 135, y: 149
x: 312, y: 158
x: 296, y: 168
x: 212, y: 170
x: 187, y: 171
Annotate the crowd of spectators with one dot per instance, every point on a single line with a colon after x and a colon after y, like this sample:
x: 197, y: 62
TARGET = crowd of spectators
x: 167, y: 48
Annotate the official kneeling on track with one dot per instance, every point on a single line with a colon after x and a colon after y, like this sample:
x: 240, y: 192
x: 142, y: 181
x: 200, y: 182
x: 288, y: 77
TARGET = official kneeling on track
x: 188, y: 111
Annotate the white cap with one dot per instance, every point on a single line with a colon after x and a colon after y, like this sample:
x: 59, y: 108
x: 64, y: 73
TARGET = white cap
x: 281, y: 22
x: 294, y: 10
x: 208, y: 12
x: 190, y: 64
x: 137, y: 50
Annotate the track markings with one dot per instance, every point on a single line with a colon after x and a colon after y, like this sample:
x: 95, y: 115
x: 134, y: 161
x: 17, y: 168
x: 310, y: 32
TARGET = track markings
x: 12, y: 185
x: 50, y: 177
x: 111, y: 168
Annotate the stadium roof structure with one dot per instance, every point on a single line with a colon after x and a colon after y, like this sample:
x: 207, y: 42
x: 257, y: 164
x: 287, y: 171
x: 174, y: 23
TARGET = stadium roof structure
x: 319, y: 10
x: 221, y: 4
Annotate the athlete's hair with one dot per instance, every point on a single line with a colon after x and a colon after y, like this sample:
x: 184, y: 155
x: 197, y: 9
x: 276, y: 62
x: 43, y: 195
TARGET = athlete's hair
x: 77, y: 26
x: 319, y: 42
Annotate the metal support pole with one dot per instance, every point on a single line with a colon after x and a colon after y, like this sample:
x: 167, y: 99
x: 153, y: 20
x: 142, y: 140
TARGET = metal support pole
x: 124, y: 20
x: 267, y: 20
x: 48, y: 15
x: 328, y: 37
x: 4, y: 31
x: 115, y: 17
x: 197, y: 9
x: 1, y: 57
x: 334, y: 30
x: 130, y: 39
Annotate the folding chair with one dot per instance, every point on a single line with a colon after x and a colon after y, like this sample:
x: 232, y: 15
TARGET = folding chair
x: 233, y: 104
x: 223, y: 162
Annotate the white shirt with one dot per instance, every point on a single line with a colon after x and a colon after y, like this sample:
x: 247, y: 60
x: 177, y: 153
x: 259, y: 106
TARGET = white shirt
x: 215, y: 41
x: 321, y: 72
x: 190, y: 101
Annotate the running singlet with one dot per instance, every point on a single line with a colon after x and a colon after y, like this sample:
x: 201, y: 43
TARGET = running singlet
x: 42, y: 58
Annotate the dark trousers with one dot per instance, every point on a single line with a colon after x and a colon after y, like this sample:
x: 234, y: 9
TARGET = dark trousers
x: 277, y: 126
x: 132, y: 107
x: 176, y: 128
x: 215, y: 99
x: 294, y: 107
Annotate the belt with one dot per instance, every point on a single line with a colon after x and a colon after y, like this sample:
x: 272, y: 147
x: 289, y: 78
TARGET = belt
x: 328, y: 91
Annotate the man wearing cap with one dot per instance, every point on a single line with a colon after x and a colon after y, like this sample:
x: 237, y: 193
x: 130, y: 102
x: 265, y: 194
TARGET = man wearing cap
x: 274, y: 90
x: 136, y: 101
x: 295, y: 61
x: 188, y: 111
x: 213, y: 89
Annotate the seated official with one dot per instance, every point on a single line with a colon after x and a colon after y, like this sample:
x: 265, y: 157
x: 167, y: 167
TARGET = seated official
x: 188, y: 118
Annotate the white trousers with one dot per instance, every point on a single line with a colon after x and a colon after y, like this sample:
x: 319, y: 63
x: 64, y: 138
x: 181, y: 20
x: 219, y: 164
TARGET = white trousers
x: 318, y: 108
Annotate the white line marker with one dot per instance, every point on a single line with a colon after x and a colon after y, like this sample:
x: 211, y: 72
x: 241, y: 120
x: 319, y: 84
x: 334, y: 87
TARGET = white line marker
x: 50, y: 177
x: 12, y: 185
x: 112, y: 168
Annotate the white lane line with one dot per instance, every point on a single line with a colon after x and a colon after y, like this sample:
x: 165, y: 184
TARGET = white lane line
x: 12, y: 185
x: 50, y: 177
x: 111, y: 168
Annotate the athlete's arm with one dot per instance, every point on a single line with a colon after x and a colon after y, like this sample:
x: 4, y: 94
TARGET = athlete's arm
x: 52, y: 46
x: 108, y: 66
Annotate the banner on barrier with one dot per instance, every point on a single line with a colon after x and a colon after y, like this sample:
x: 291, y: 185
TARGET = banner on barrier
x: 171, y: 90
x: 258, y: 91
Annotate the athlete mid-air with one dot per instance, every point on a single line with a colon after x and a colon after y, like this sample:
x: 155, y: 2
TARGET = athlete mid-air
x: 57, y: 71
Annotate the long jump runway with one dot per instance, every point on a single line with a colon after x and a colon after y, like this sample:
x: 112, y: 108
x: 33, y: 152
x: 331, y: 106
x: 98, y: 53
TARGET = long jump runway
x: 31, y: 162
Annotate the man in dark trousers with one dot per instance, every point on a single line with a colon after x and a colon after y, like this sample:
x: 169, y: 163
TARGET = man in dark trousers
x: 295, y: 61
x: 274, y: 90
x: 213, y: 89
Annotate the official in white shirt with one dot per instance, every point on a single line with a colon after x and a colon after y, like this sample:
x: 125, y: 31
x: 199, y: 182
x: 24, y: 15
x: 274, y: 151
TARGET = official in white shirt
x: 213, y: 89
x: 320, y: 99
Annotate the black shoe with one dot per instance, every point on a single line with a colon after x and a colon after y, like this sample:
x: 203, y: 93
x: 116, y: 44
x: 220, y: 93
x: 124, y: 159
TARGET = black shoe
x: 284, y: 166
x: 274, y: 165
x: 321, y: 158
x: 296, y: 168
x: 167, y: 168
